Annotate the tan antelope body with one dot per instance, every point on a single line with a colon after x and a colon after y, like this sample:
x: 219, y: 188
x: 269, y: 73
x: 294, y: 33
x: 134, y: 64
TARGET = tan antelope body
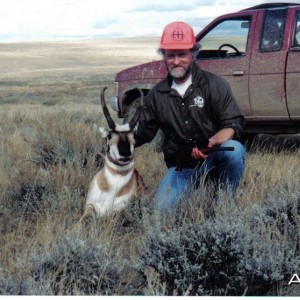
x: 117, y: 182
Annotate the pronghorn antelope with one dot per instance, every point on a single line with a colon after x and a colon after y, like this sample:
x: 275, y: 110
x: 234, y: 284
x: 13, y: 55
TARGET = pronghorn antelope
x: 113, y: 186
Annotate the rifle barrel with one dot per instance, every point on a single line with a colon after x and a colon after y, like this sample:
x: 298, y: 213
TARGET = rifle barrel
x: 207, y: 150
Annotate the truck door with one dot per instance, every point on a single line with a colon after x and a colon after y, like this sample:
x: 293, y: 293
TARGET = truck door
x: 267, y: 67
x: 226, y: 50
x: 293, y: 69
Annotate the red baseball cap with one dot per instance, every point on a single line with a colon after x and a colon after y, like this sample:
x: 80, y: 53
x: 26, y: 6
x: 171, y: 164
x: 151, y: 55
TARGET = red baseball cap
x: 177, y: 36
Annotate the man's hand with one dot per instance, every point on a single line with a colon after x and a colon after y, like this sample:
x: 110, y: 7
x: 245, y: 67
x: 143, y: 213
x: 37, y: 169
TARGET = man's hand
x: 197, y: 154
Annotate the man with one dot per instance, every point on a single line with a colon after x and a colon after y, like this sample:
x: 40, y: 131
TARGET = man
x: 194, y: 108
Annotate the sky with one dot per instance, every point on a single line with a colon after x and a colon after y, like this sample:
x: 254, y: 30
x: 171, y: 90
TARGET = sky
x: 48, y: 20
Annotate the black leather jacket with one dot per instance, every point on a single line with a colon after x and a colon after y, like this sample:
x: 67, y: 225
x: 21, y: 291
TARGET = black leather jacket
x: 207, y: 106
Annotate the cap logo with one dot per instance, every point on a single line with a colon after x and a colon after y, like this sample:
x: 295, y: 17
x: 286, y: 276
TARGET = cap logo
x: 177, y: 34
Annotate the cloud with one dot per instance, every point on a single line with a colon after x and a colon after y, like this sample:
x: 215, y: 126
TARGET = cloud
x: 59, y: 19
x: 101, y: 24
x: 198, y: 23
x: 203, y: 3
x: 162, y: 8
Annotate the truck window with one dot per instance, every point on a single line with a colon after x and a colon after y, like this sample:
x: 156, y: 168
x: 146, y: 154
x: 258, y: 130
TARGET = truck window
x: 227, y: 39
x: 297, y: 31
x: 273, y: 30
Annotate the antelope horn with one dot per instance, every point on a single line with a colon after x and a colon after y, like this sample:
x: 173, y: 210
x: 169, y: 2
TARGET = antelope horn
x: 109, y: 119
x: 139, y: 109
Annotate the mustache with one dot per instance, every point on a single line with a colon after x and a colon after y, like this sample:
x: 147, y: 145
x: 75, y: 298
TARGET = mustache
x: 174, y: 67
x: 186, y: 69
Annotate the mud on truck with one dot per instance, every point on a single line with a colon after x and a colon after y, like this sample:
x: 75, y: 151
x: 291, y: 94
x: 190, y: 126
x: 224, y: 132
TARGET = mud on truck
x: 257, y: 50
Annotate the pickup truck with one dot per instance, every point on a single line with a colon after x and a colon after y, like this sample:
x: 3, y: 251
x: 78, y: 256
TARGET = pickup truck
x: 257, y: 50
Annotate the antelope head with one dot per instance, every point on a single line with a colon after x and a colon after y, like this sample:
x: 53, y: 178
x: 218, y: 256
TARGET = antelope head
x: 119, y: 138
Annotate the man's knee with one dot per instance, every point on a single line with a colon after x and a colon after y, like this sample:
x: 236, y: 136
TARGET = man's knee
x: 237, y: 155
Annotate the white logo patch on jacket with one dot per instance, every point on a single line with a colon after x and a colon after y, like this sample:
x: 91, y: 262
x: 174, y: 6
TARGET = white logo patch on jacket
x: 198, y: 101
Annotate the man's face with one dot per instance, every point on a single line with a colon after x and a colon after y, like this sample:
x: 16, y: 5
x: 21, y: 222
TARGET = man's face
x: 178, y: 63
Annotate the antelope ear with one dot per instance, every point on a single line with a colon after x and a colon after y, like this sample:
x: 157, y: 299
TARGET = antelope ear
x: 103, y: 132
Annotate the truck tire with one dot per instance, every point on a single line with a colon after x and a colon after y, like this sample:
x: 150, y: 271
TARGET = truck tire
x: 159, y: 137
x: 131, y: 110
x: 275, y: 142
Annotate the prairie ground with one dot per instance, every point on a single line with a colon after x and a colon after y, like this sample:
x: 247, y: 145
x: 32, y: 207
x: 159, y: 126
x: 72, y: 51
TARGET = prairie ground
x: 49, y: 151
x: 67, y: 71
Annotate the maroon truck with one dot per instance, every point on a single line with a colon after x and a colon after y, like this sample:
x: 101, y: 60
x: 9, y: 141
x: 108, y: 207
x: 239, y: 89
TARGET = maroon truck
x: 257, y: 50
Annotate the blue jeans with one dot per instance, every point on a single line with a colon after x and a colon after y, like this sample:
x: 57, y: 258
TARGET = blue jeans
x: 224, y: 167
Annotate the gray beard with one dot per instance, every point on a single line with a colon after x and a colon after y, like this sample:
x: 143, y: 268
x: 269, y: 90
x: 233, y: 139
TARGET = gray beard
x: 181, y: 75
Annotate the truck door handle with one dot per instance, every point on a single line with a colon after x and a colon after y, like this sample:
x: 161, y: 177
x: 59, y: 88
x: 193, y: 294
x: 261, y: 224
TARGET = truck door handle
x: 238, y: 73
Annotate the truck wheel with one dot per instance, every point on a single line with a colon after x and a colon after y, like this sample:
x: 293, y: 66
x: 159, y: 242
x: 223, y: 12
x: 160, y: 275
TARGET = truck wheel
x: 276, y: 142
x: 131, y: 110
x: 158, y: 139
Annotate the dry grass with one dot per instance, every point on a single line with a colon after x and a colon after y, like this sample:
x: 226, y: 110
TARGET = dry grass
x: 49, y: 152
